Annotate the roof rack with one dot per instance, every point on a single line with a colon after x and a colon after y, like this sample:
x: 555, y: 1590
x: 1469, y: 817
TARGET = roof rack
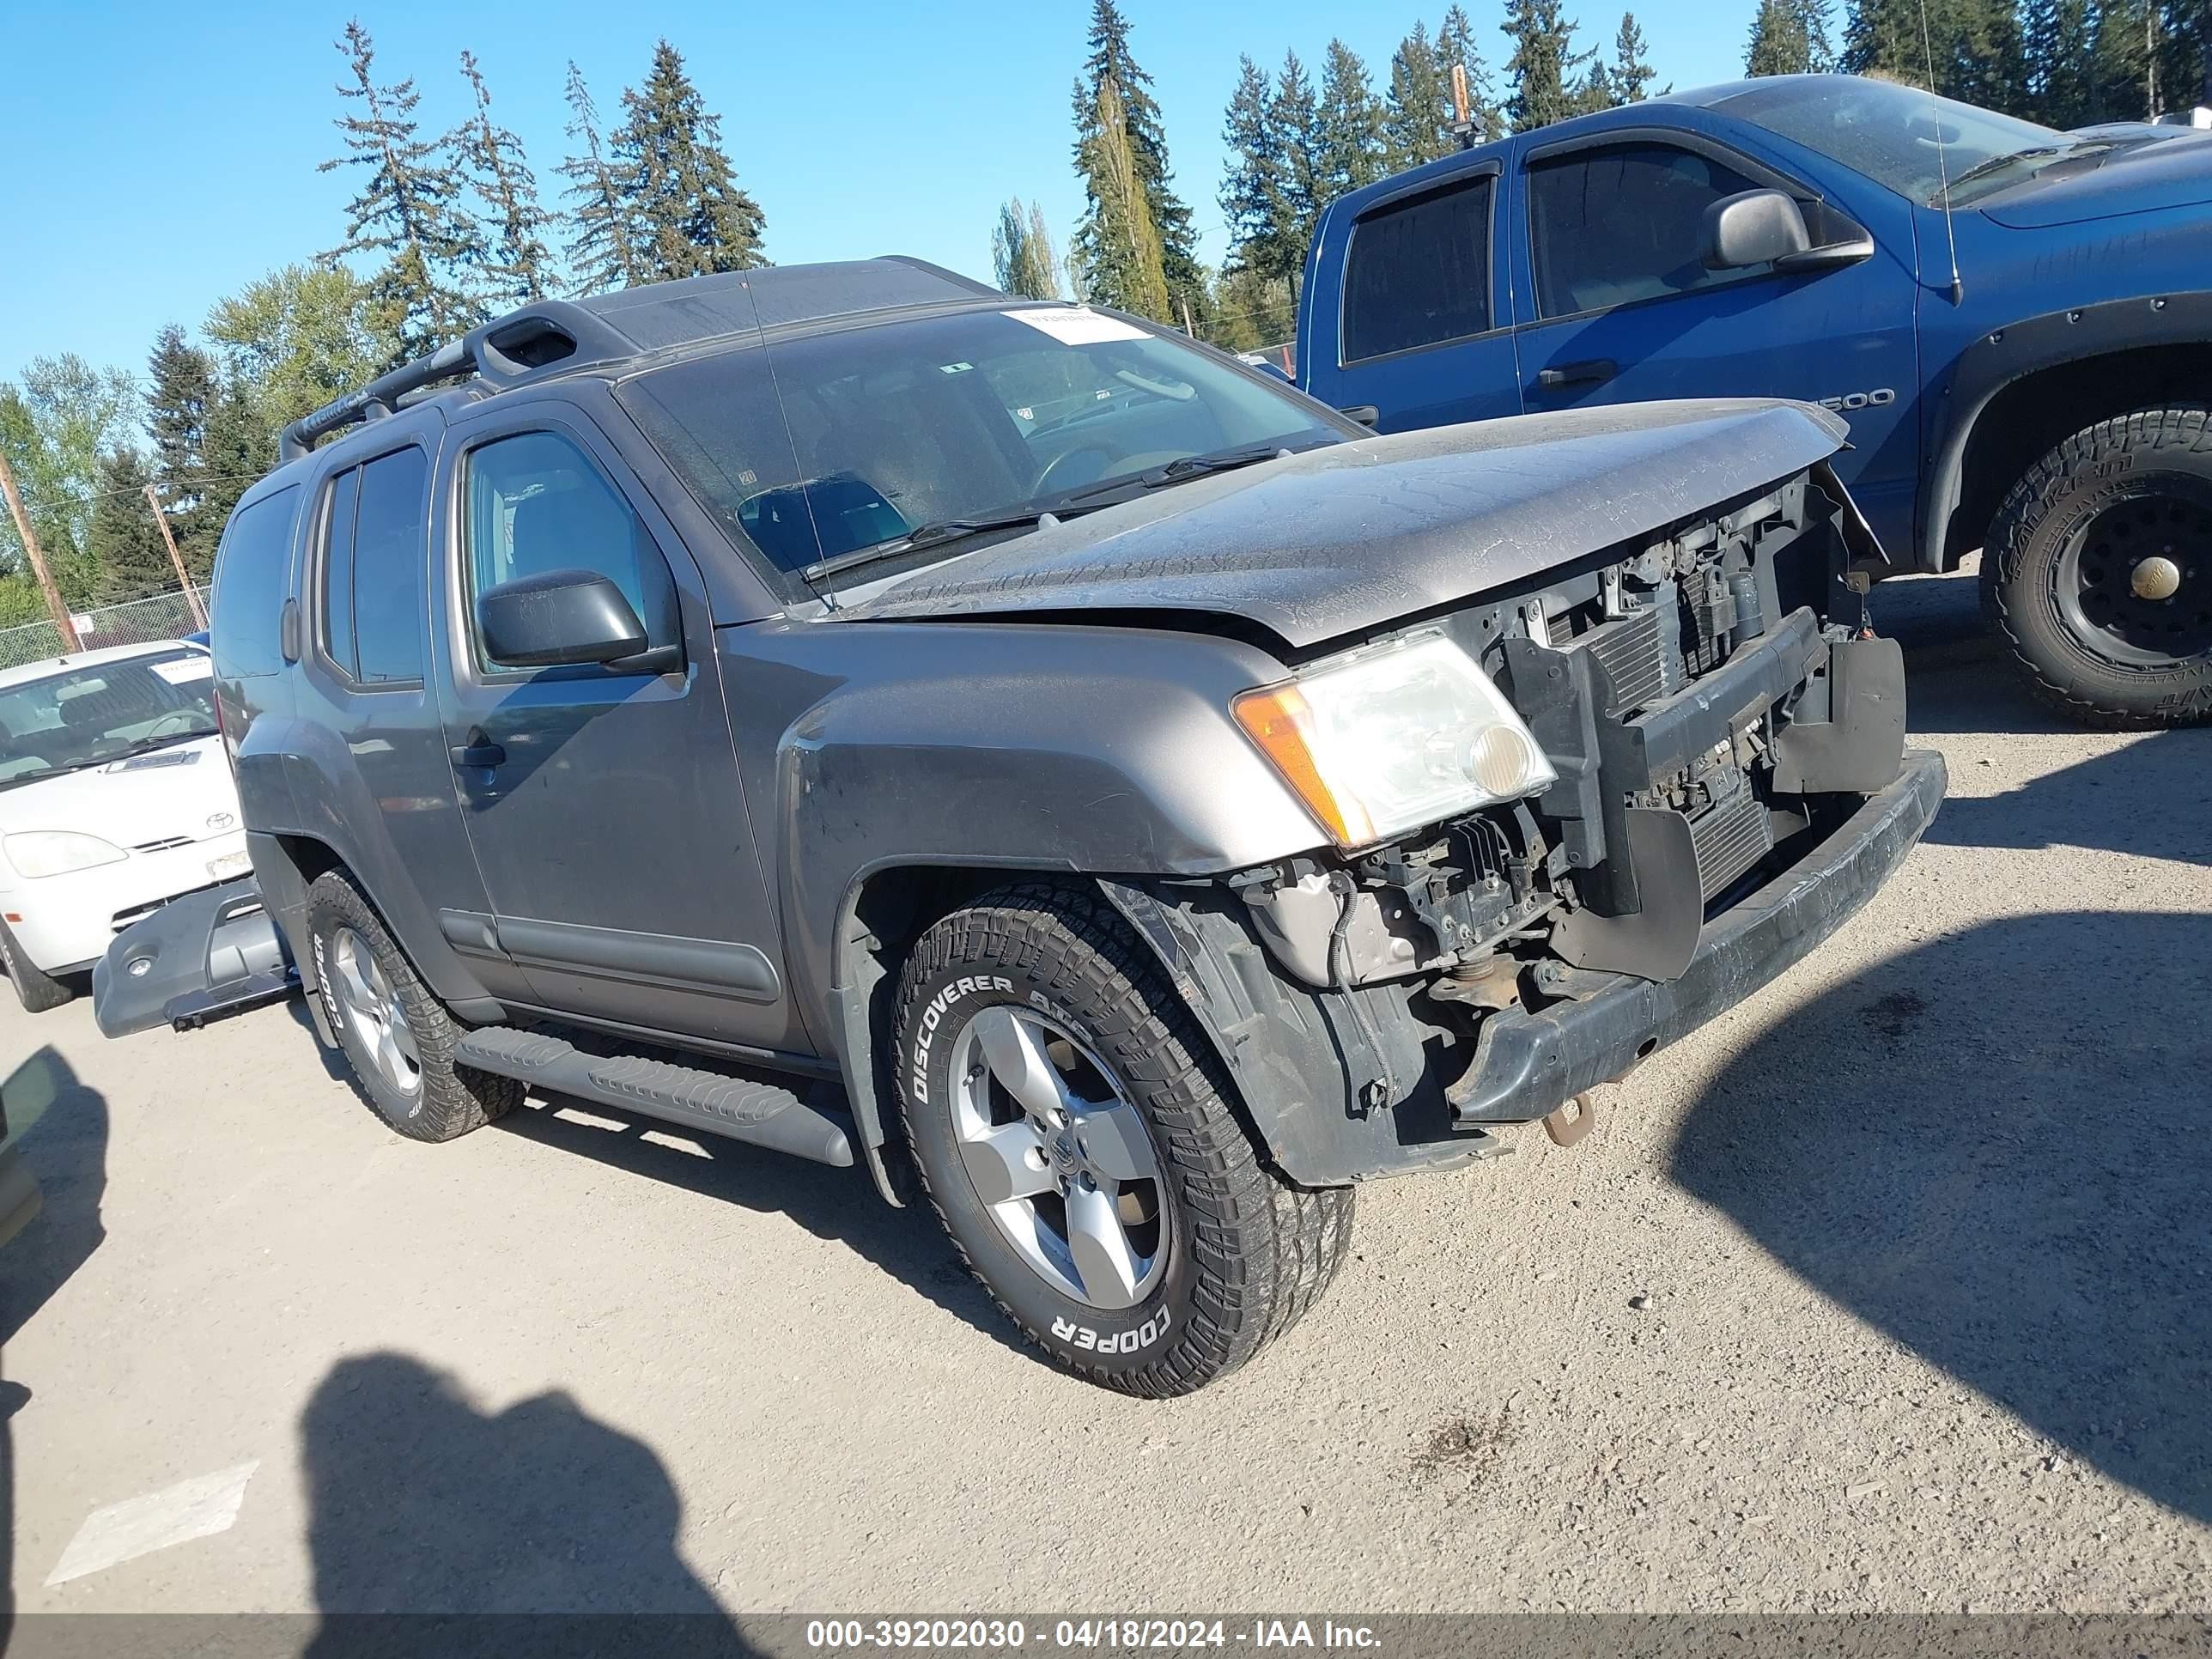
x: 510, y: 349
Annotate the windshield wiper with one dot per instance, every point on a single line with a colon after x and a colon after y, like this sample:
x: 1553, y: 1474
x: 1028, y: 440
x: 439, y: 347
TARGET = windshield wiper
x: 1187, y: 466
x: 2034, y: 153
x: 166, y: 740
x: 935, y: 533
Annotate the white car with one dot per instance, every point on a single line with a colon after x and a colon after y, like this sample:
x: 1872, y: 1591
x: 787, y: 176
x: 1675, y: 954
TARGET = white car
x: 115, y: 798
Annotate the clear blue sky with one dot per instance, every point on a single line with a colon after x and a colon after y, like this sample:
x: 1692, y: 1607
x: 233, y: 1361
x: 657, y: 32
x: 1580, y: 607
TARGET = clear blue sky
x: 155, y: 157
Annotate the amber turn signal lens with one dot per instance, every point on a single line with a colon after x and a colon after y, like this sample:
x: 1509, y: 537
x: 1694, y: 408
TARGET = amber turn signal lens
x: 1277, y: 719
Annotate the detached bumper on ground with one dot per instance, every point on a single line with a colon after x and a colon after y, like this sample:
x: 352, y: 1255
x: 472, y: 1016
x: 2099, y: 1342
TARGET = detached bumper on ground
x: 1526, y: 1066
x: 203, y: 956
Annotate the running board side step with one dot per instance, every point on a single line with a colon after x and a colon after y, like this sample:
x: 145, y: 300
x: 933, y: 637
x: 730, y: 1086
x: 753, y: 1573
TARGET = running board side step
x: 739, y: 1108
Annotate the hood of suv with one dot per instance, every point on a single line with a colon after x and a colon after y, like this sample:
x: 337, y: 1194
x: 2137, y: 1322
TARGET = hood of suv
x: 1346, y: 537
x: 2163, y: 172
x: 183, y: 793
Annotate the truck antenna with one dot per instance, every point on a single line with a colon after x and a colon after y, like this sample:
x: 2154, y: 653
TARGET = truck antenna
x: 1942, y: 162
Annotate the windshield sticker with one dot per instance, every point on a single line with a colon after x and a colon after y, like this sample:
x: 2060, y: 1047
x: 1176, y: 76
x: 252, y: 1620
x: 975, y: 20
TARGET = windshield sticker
x: 184, y: 670
x: 1078, y: 326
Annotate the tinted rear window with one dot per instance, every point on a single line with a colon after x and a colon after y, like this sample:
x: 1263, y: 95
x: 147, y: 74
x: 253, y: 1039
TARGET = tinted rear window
x: 249, y: 596
x: 1418, y: 273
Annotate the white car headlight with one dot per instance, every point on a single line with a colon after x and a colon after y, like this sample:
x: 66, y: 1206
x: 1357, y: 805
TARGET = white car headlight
x: 1387, y: 738
x: 37, y: 853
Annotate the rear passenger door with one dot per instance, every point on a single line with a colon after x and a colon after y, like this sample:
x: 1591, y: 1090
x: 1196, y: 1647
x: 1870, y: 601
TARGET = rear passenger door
x: 1424, y: 333
x: 603, y: 802
x: 1618, y: 307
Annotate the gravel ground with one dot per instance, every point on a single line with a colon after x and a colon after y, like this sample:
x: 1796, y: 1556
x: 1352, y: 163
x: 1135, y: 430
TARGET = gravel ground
x: 1888, y: 1291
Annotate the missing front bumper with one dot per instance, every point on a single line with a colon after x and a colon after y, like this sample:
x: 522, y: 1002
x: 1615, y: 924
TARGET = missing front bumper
x: 1526, y: 1065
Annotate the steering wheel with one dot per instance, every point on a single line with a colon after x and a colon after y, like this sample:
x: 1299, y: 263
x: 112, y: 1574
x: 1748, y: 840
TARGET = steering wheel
x: 1049, y: 481
x: 184, y: 714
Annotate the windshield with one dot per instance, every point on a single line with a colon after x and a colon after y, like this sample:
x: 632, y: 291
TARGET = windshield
x: 1901, y: 136
x: 89, y: 716
x: 831, y: 443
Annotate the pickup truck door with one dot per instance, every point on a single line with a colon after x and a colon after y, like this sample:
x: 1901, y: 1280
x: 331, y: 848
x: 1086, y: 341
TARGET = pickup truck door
x: 1420, y: 326
x: 603, y: 802
x: 1615, y: 307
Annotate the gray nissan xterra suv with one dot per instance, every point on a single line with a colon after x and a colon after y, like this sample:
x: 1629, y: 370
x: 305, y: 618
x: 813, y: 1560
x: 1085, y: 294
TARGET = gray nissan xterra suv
x: 845, y: 709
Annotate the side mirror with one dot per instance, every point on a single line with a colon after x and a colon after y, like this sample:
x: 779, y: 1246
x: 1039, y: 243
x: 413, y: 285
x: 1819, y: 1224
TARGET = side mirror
x: 1758, y: 227
x: 556, y: 617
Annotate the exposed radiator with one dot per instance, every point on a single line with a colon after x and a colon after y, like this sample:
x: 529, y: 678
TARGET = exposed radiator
x: 1730, y: 837
x: 1634, y: 655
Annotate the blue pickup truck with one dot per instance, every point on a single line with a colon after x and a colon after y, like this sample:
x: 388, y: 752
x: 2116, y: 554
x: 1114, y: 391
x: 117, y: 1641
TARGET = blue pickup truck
x: 2016, y: 322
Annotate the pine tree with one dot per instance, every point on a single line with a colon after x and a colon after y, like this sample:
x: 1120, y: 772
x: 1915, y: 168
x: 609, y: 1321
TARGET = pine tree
x: 241, y: 445
x: 1455, y: 45
x: 1812, y: 21
x: 1351, y: 151
x: 2121, y: 61
x: 1124, y: 266
x: 1778, y: 45
x: 406, y: 209
x: 1295, y: 114
x: 603, y: 248
x: 1414, y: 120
x: 125, y: 540
x: 1544, y: 64
x: 181, y: 384
x: 1631, y: 71
x: 1885, y: 38
x: 1110, y: 59
x: 1251, y: 310
x: 517, y: 265
x: 1021, y: 252
x: 2059, y: 81
x: 691, y: 216
x: 1253, y: 187
x: 1593, y: 92
x: 2187, y: 74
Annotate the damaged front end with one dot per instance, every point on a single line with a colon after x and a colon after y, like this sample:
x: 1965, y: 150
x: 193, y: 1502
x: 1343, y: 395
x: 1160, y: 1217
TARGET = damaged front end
x: 1719, y: 778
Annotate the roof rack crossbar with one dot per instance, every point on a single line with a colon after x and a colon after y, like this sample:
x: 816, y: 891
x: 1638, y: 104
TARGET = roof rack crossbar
x: 378, y: 398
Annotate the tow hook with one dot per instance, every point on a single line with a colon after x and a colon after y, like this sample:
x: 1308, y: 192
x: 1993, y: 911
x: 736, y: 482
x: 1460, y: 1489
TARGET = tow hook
x: 1571, y: 1121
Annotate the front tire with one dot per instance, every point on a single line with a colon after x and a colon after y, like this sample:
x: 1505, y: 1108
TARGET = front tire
x: 35, y: 988
x: 1072, y: 1133
x: 2097, y: 571
x: 398, y: 1037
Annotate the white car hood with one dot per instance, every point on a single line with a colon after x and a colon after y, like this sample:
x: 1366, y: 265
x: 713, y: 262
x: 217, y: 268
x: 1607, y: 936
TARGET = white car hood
x: 183, y: 793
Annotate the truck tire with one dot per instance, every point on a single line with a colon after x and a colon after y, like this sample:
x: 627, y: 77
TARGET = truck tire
x: 398, y: 1039
x: 1073, y: 1131
x: 2098, y: 572
x: 35, y: 988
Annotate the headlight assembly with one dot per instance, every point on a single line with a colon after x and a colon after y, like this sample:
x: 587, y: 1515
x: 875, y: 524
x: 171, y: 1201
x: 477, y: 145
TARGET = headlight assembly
x: 1387, y: 738
x: 37, y: 853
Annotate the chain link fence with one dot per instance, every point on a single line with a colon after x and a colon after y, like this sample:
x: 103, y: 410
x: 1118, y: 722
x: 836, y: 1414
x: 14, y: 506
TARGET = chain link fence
x: 140, y: 621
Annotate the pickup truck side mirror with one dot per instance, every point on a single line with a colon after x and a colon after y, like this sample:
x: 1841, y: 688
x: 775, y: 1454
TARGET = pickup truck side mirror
x: 1767, y: 226
x: 558, y: 618
x: 1756, y: 227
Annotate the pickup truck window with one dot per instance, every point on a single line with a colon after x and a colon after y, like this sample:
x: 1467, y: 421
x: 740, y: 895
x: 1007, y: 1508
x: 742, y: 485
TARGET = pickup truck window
x: 1418, y: 273
x: 975, y: 415
x: 1893, y: 134
x: 1609, y: 227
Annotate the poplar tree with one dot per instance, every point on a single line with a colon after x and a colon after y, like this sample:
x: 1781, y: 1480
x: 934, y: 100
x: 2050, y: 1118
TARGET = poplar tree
x: 1415, y: 108
x: 1111, y: 60
x: 691, y: 218
x: 1631, y: 72
x: 1123, y: 267
x: 406, y: 210
x: 1350, y: 146
x: 603, y: 248
x: 1022, y: 255
x: 515, y: 264
x: 1544, y: 64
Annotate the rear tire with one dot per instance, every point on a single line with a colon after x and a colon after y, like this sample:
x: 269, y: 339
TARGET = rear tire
x: 35, y: 988
x: 2098, y: 572
x: 398, y: 1037
x: 1222, y: 1255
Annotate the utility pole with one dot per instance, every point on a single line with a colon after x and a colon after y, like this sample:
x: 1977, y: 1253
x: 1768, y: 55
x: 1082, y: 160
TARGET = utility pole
x: 176, y: 560
x: 55, y: 608
x: 1462, y: 111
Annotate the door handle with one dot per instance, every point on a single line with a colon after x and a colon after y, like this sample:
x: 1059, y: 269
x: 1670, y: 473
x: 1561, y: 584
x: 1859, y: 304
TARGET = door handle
x: 479, y: 752
x: 1588, y: 372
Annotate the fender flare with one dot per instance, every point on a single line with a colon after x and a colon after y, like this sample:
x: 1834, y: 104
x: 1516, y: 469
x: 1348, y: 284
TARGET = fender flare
x: 2003, y: 356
